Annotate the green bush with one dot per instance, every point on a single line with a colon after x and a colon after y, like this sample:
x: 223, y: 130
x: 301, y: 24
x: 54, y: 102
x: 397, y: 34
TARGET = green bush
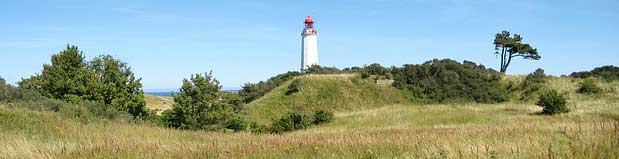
x: 104, y: 79
x: 608, y: 73
x: 533, y: 85
x: 322, y: 116
x: 317, y: 69
x: 552, y: 103
x: 589, y: 86
x: 198, y: 105
x: 376, y: 71
x: 233, y: 99
x: 258, y: 128
x: 236, y: 124
x: 294, y: 87
x: 253, y: 91
x: 536, y: 77
x: 447, y: 80
x: 291, y: 121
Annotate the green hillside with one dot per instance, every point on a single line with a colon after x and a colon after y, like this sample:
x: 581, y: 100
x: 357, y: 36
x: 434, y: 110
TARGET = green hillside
x: 158, y: 103
x: 339, y: 93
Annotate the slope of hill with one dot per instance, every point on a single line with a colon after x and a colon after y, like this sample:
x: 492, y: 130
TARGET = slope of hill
x: 339, y: 93
x: 158, y: 103
x: 504, y: 130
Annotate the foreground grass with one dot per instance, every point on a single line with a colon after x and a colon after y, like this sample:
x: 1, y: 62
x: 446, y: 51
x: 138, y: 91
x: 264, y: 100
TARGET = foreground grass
x: 505, y: 130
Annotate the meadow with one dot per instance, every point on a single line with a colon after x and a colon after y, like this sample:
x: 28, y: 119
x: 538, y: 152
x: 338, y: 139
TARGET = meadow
x: 376, y: 130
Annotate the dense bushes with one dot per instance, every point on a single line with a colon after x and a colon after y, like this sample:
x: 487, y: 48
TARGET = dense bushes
x: 290, y: 122
x: 322, y: 116
x: 199, y: 105
x: 317, y: 69
x: 294, y: 87
x: 552, y: 103
x: 296, y: 121
x: 447, y: 80
x: 251, y: 92
x: 104, y: 79
x: 533, y: 85
x: 86, y: 110
x: 609, y: 73
x: 376, y: 71
x: 589, y: 86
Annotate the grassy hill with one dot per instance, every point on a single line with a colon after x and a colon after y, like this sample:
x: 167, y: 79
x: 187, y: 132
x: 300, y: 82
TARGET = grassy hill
x: 339, y: 93
x: 372, y: 127
x: 158, y: 103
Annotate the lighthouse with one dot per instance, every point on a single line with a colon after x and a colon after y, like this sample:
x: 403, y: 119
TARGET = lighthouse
x: 309, y: 45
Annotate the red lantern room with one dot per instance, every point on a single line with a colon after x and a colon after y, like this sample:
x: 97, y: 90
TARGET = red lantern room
x: 309, y: 26
x: 309, y: 22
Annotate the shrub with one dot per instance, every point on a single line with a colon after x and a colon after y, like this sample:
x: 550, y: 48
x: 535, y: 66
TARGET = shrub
x: 6, y: 91
x: 552, y: 103
x: 608, y: 73
x: 447, y: 80
x: 233, y: 99
x: 291, y: 121
x: 236, y: 124
x: 322, y: 116
x: 532, y: 91
x: 294, y: 87
x: 589, y: 86
x: 253, y: 91
x: 533, y: 85
x: 198, y: 106
x: 536, y: 77
x: 377, y: 71
x: 317, y: 69
x: 258, y: 128
x: 104, y: 79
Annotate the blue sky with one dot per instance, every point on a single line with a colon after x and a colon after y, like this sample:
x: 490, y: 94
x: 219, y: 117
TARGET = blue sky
x: 249, y: 41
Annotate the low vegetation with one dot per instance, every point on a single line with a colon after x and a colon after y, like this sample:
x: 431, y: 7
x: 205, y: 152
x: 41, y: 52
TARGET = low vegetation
x: 253, y: 91
x: 438, y: 109
x: 198, y: 106
x: 552, y: 103
x: 589, y: 86
x: 333, y: 92
x: 158, y: 103
x: 501, y: 130
x: 104, y: 80
x: 533, y: 85
x: 608, y: 73
x: 446, y: 80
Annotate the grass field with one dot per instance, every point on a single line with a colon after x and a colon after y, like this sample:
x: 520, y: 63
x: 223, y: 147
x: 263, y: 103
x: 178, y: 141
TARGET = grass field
x: 383, y: 130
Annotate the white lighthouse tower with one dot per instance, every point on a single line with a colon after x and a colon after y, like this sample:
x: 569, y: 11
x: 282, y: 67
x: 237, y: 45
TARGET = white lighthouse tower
x: 309, y: 48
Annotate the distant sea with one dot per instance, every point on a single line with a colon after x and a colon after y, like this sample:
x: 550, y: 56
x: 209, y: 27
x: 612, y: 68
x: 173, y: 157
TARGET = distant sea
x: 161, y: 93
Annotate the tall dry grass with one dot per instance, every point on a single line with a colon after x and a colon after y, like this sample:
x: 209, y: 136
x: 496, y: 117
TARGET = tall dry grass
x: 505, y: 130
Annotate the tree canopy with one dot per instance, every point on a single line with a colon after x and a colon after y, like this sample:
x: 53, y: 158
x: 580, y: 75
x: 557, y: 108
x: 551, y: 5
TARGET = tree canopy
x: 447, y: 80
x: 198, y: 105
x: 509, y: 47
x: 104, y: 79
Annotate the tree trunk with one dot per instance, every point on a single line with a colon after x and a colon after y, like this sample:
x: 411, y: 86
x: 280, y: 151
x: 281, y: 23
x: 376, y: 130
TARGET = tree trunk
x: 509, y: 60
x: 503, y: 66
